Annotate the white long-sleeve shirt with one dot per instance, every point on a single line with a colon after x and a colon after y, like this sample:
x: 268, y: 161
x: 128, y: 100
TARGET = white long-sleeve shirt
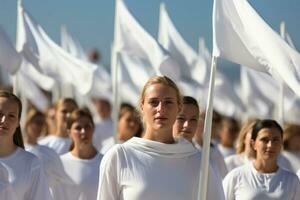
x: 26, y: 176
x: 246, y: 183
x: 141, y: 169
x: 6, y: 191
x: 85, y: 176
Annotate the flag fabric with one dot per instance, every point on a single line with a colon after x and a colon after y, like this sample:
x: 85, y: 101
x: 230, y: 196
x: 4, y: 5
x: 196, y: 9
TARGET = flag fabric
x: 10, y: 59
x: 51, y: 59
x: 242, y: 36
x: 130, y: 37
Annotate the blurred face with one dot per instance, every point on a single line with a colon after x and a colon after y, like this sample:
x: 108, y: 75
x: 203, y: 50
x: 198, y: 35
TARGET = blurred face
x: 268, y: 144
x: 103, y: 108
x: 35, y: 127
x: 63, y: 112
x: 186, y: 122
x: 128, y: 126
x: 160, y: 107
x: 228, y: 133
x: 9, y: 120
x: 81, y: 131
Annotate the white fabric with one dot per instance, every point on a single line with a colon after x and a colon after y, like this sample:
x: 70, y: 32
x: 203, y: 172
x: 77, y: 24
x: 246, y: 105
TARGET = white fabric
x: 216, y: 160
x: 242, y: 36
x: 246, y: 183
x: 51, y: 59
x: 60, y: 145
x: 85, y: 176
x: 52, y: 164
x: 103, y: 138
x: 131, y: 38
x: 26, y: 176
x: 225, y: 151
x: 294, y: 159
x: 298, y: 174
x: 6, y: 191
x: 147, y: 170
x: 10, y: 59
x: 237, y: 160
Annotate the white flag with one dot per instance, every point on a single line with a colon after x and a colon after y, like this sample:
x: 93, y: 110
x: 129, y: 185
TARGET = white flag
x: 242, y: 36
x: 40, y: 50
x: 10, y: 59
x: 131, y: 38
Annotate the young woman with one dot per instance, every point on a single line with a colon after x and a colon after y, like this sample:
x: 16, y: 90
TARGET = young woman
x: 155, y: 166
x: 34, y: 126
x: 129, y: 124
x: 263, y: 178
x: 60, y: 141
x: 25, y: 173
x: 82, y: 162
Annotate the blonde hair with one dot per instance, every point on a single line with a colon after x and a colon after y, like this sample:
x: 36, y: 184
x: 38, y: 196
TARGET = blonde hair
x: 290, y: 130
x: 164, y: 80
x: 247, y: 126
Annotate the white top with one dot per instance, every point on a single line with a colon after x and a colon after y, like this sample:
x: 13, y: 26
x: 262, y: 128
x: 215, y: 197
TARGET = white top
x: 26, y: 176
x: 6, y: 191
x: 298, y: 173
x: 225, y: 151
x: 85, y: 177
x: 216, y: 159
x: 60, y: 145
x: 246, y: 183
x: 141, y: 169
x: 103, y: 138
x: 237, y: 160
x: 52, y: 164
x: 294, y: 159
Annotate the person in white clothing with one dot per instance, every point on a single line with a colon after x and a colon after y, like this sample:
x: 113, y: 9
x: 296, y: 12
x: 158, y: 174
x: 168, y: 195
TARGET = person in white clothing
x: 263, y: 179
x: 60, y: 141
x: 291, y: 145
x: 33, y: 127
x: 25, y: 172
x: 82, y: 162
x: 244, y: 151
x: 216, y: 158
x: 6, y: 191
x: 155, y: 166
x: 103, y: 138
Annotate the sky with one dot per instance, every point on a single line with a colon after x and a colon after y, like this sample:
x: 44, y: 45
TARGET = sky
x: 91, y: 22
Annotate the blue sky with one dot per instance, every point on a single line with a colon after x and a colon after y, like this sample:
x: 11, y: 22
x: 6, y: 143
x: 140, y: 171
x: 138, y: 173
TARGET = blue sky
x: 91, y: 21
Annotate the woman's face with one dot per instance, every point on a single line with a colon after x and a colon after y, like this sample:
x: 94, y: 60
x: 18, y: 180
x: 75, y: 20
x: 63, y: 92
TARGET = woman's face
x: 186, y: 123
x: 36, y: 125
x: 62, y: 113
x: 81, y: 131
x: 160, y: 107
x: 9, y: 120
x: 268, y: 144
x: 128, y: 126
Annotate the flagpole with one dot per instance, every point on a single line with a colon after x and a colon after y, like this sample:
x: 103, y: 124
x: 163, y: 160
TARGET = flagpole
x: 207, y: 134
x: 280, y: 105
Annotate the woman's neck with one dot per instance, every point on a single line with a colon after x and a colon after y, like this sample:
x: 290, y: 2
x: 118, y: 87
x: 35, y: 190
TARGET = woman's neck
x: 265, y: 166
x: 84, y: 152
x: 6, y: 147
x: 160, y: 136
x: 61, y: 132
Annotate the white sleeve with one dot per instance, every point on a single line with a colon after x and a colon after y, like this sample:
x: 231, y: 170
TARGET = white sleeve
x: 109, y: 176
x: 228, y: 185
x: 39, y: 188
x: 214, y: 186
x: 297, y: 190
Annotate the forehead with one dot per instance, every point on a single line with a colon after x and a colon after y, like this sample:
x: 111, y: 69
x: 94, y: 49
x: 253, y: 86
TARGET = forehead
x: 9, y: 105
x: 159, y: 90
x: 189, y: 109
x: 269, y: 132
x: 82, y: 120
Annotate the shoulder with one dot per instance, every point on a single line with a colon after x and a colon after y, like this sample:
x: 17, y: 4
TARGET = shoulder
x: 29, y: 159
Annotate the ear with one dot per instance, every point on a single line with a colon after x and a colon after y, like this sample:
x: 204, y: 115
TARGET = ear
x: 252, y: 143
x: 142, y: 108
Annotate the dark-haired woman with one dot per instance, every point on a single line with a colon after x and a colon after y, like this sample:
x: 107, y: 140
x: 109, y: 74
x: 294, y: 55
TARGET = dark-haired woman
x: 263, y: 178
x: 82, y: 162
x: 25, y: 172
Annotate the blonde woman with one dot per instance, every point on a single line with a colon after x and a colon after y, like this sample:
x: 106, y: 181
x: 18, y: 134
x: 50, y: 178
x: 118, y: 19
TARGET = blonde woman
x: 155, y: 166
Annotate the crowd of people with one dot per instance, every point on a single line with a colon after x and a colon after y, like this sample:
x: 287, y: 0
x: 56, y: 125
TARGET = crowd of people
x: 69, y: 153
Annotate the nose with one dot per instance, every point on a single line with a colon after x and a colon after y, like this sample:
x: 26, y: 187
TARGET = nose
x: 160, y: 106
x: 186, y: 123
x: 2, y: 118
